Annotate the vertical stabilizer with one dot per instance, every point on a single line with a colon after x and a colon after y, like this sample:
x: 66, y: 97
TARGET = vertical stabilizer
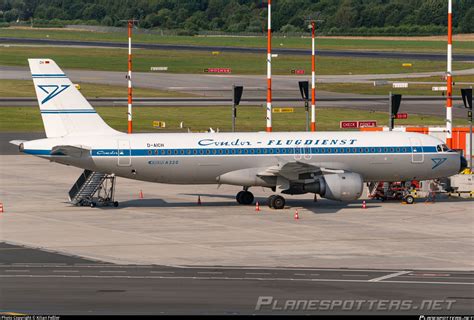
x: 63, y: 108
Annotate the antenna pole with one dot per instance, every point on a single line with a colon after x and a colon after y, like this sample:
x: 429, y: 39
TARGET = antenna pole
x: 313, y: 77
x: 269, y: 68
x: 129, y: 76
x: 449, y: 79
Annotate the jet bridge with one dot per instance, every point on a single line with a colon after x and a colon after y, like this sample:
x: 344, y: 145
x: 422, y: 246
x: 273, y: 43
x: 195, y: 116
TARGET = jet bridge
x: 93, y: 189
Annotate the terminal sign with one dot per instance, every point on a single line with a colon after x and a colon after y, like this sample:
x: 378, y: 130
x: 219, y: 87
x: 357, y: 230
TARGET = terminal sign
x: 218, y: 70
x: 298, y: 71
x: 283, y: 110
x: 358, y: 124
x: 367, y: 124
x: 401, y: 116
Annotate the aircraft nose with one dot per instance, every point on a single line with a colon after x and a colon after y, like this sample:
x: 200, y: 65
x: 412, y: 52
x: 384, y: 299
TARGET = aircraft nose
x: 463, y: 164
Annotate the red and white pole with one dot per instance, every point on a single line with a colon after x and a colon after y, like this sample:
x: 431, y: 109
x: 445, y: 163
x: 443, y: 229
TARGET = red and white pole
x: 449, y: 78
x: 129, y: 76
x: 313, y: 78
x: 269, y: 68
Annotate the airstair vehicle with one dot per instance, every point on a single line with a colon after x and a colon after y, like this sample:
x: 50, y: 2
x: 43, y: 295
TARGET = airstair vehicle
x: 93, y: 189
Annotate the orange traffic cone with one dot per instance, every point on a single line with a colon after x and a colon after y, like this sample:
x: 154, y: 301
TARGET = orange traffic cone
x: 296, y: 215
x: 364, y: 205
x: 257, y: 207
x: 199, y: 200
x: 1, y: 207
x: 141, y: 194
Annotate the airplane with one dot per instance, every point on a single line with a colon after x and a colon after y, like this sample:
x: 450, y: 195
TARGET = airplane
x: 334, y: 165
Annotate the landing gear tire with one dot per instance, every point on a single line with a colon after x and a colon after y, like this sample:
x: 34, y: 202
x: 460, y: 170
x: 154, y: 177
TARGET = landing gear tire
x: 409, y: 199
x: 276, y: 202
x: 238, y: 197
x: 93, y: 204
x: 116, y: 204
x: 270, y: 201
x: 245, y: 198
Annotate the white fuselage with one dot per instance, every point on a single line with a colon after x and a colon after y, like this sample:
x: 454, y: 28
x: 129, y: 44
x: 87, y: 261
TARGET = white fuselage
x: 200, y: 158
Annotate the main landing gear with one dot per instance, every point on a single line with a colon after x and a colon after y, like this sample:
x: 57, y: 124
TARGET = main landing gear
x: 276, y: 202
x: 246, y: 197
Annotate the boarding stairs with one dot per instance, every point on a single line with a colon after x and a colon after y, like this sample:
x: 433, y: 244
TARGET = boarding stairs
x: 373, y: 186
x: 92, y: 189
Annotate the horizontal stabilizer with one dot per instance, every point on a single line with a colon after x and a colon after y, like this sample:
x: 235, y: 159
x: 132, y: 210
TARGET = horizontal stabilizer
x: 17, y: 142
x: 70, y: 151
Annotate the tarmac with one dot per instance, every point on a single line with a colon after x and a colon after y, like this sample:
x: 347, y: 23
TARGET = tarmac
x: 167, y: 254
x: 167, y: 227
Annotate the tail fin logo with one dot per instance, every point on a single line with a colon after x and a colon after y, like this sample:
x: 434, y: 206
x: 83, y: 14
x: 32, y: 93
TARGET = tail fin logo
x: 52, y: 91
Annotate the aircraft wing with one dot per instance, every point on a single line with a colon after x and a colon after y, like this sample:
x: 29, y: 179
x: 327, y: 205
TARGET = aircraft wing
x: 291, y: 170
x: 296, y: 170
x: 70, y: 151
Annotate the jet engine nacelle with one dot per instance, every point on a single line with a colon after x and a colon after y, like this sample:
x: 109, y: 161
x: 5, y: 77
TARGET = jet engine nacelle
x: 338, y: 186
x: 342, y: 186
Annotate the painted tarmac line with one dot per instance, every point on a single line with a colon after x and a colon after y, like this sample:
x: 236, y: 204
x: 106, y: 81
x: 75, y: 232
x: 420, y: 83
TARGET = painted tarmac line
x: 388, y: 276
x: 257, y: 273
x: 209, y: 272
x: 234, y: 278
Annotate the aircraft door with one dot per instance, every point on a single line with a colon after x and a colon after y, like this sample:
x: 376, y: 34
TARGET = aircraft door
x: 307, y: 153
x: 417, y: 155
x: 124, y: 153
x: 298, y: 153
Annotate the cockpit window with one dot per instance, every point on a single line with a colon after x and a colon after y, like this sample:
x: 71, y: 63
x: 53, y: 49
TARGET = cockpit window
x: 442, y: 148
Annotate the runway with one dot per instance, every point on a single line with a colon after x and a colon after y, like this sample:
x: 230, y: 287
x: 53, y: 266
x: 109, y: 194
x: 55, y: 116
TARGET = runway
x: 324, y: 53
x: 74, y: 286
x: 218, y: 86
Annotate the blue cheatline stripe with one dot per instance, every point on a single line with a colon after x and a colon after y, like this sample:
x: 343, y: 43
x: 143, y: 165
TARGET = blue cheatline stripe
x: 56, y: 111
x: 38, y: 152
x: 56, y: 75
x: 248, y: 151
x: 259, y: 151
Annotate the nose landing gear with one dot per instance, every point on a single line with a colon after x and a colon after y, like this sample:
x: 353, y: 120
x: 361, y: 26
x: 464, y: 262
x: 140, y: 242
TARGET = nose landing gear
x: 245, y: 197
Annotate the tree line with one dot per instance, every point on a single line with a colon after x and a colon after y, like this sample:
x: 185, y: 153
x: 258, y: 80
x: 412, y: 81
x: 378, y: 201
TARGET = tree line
x: 288, y: 16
